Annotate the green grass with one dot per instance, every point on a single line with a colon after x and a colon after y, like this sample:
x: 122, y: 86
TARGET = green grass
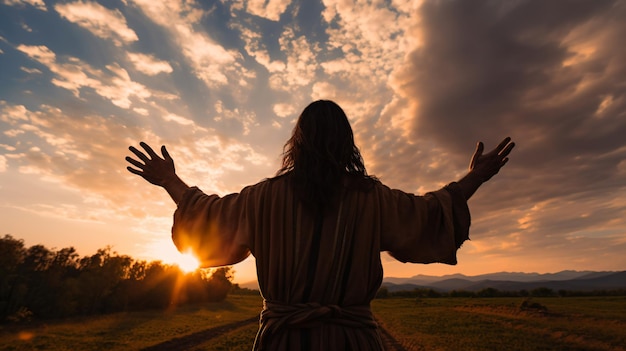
x: 129, y: 331
x: 454, y: 324
x: 585, y: 323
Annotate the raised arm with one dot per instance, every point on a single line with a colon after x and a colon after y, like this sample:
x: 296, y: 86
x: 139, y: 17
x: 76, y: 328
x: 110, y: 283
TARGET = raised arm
x: 158, y: 171
x: 484, y: 166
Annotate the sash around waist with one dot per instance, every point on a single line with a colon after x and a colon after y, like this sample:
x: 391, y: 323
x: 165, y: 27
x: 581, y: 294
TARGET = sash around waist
x: 277, y: 316
x: 305, y: 314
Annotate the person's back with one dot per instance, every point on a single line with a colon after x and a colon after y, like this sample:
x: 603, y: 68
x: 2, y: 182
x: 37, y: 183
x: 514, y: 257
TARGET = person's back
x: 318, y: 270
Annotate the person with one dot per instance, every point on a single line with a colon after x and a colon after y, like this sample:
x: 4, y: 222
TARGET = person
x: 317, y: 228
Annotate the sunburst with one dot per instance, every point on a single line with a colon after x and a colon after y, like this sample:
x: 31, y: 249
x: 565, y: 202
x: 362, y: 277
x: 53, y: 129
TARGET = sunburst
x: 187, y: 262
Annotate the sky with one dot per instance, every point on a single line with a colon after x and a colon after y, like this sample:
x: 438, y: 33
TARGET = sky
x: 221, y: 83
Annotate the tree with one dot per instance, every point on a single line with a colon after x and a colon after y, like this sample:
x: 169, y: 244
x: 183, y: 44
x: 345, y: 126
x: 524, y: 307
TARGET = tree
x: 488, y: 292
x: 542, y: 292
x: 382, y: 293
x: 45, y: 283
x: 12, y: 254
x: 219, y: 283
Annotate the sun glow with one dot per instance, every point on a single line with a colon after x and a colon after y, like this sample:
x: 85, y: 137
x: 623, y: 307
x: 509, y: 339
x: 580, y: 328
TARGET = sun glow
x: 165, y: 251
x: 187, y: 262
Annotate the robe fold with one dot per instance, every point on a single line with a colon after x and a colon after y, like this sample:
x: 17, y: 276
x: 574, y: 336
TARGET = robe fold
x: 319, y: 270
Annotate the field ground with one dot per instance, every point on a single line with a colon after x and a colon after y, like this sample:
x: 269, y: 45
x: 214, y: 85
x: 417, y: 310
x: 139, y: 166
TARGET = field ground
x: 464, y: 324
x: 459, y: 324
x: 139, y: 330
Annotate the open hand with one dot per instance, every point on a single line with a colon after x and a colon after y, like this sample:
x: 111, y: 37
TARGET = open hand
x: 154, y: 169
x: 489, y: 164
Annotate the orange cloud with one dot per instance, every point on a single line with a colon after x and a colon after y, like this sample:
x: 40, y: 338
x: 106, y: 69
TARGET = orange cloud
x: 99, y: 20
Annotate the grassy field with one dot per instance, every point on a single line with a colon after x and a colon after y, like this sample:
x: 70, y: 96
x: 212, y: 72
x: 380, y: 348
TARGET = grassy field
x: 573, y: 323
x: 458, y: 324
x: 137, y: 330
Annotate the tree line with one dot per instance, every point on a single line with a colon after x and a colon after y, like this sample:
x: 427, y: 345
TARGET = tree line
x: 37, y: 282
x: 384, y: 292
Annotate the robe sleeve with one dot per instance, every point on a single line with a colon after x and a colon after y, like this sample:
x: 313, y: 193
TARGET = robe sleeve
x: 424, y: 229
x: 214, y: 228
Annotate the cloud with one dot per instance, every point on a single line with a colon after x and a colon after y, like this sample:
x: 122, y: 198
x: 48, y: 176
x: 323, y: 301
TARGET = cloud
x: 369, y: 36
x: 13, y: 114
x: 361, y: 45
x: 99, y: 20
x: 247, y: 119
x: 26, y: 27
x: 270, y: 9
x: 40, y: 53
x: 335, y: 64
x: 148, y: 64
x: 284, y: 110
x: 291, y: 74
x: 3, y: 164
x: 484, y: 71
x: 552, y: 236
x: 301, y: 62
x: 211, y: 62
x: 30, y: 70
x: 38, y: 4
x: 141, y: 111
x: 113, y: 84
x: 85, y: 154
x: 170, y: 117
x: 72, y: 151
x: 255, y: 47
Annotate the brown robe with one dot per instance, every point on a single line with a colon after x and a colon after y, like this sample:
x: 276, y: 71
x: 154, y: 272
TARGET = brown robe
x: 318, y: 272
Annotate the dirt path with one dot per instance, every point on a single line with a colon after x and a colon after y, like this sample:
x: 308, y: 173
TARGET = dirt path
x: 198, y: 338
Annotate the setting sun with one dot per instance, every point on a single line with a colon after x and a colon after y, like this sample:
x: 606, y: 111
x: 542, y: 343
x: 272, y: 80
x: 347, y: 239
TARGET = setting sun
x: 187, y: 262
x: 165, y: 251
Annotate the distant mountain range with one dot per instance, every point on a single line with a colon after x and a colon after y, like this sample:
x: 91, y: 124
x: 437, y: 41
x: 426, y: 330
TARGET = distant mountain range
x: 506, y: 281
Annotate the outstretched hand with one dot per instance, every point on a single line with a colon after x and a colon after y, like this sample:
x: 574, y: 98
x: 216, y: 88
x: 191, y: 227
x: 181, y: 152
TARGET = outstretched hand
x: 489, y: 164
x: 154, y: 169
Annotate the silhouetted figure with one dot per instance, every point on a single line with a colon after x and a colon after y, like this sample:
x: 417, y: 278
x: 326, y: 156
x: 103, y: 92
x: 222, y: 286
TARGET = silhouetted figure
x: 317, y: 229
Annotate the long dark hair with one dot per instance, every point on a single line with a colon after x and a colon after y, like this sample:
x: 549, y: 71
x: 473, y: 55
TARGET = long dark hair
x: 321, y: 152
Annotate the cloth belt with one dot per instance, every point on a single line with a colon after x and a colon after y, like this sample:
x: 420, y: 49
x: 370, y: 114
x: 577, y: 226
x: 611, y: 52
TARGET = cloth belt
x: 277, y: 315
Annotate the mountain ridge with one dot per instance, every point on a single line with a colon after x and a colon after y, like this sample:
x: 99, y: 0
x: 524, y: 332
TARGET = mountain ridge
x: 513, y: 281
x: 508, y: 281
